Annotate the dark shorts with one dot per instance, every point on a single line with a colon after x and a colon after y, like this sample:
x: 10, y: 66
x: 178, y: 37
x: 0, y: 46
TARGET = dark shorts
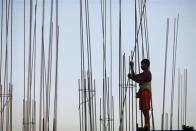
x: 144, y: 99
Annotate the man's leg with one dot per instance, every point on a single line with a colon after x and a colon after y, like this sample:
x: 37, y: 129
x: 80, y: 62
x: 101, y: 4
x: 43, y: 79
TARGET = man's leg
x: 147, y: 118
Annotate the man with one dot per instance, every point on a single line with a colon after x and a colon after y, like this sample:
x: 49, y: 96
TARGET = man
x: 144, y: 93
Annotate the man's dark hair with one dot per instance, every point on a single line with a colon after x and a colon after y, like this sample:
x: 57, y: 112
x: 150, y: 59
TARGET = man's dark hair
x: 146, y: 62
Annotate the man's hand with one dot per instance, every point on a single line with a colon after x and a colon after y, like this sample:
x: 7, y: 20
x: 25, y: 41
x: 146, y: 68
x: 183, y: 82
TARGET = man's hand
x: 132, y: 74
x: 131, y: 64
x: 137, y: 95
x: 129, y: 76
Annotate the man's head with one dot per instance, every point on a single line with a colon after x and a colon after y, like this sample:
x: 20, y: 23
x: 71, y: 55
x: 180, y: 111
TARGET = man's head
x: 145, y: 63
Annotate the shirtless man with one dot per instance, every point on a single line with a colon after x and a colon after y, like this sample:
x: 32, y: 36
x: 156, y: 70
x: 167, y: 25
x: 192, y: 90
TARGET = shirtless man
x: 144, y: 93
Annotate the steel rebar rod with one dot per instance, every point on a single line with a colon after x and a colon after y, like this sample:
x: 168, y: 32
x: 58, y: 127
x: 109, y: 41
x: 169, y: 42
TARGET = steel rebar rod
x: 165, y: 73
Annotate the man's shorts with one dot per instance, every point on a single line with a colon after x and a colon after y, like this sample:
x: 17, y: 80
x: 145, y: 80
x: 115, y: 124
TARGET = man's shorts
x: 144, y: 99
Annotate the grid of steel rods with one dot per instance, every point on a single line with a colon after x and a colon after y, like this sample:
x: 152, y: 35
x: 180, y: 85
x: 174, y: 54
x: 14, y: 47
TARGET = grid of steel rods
x: 87, y: 89
x: 48, y: 68
x: 129, y: 118
x: 128, y: 107
x: 6, y: 85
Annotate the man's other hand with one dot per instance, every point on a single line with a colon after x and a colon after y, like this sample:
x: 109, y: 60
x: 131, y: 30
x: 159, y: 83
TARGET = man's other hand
x: 131, y: 64
x: 129, y: 75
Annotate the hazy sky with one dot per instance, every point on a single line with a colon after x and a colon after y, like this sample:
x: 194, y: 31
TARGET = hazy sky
x: 69, y: 54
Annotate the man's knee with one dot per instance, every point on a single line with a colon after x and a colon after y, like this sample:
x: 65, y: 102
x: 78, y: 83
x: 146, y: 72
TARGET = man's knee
x: 145, y: 112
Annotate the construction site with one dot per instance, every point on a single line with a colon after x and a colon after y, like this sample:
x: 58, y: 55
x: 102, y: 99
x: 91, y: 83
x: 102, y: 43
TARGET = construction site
x: 97, y: 65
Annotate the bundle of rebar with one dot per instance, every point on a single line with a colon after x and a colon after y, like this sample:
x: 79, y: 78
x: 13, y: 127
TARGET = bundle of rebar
x: 6, y: 85
x: 163, y: 122
x: 87, y: 89
x: 48, y: 64
x: 106, y: 102
x: 140, y: 51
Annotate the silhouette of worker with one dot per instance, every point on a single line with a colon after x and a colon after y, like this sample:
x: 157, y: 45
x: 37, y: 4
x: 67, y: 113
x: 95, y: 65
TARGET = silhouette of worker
x: 144, y: 93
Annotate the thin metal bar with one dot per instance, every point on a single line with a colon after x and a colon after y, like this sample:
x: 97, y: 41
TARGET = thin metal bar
x: 135, y: 98
x: 166, y: 121
x: 6, y: 69
x: 95, y: 108
x: 41, y: 119
x: 108, y: 106
x: 56, y: 73
x: 105, y: 81
x: 137, y: 31
x: 100, y: 116
x: 165, y: 73
x: 130, y: 102
x: 82, y: 95
x: 48, y: 83
x: 85, y: 110
x: 146, y: 34
x: 120, y: 52
x: 182, y: 94
x: 126, y: 115
x: 79, y: 106
x: 173, y: 76
x: 141, y: 4
x: 34, y: 55
x: 125, y: 76
x: 113, y: 112
x: 111, y: 63
x: 82, y: 67
x: 29, y: 67
x: 89, y: 104
x: 185, y: 94
x: 179, y: 79
x: 1, y: 55
x: 135, y: 55
x: 184, y: 97
x: 24, y: 100
x: 11, y: 86
x: 2, y: 12
x: 11, y: 51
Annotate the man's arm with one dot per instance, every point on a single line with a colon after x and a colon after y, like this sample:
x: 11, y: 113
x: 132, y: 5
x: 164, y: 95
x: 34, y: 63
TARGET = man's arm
x: 139, y: 78
x: 142, y: 78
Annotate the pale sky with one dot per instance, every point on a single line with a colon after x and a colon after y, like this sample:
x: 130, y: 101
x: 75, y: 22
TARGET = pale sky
x: 69, y: 55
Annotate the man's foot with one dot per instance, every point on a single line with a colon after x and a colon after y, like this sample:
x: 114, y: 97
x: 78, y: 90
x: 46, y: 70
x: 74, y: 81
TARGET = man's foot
x: 147, y: 127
